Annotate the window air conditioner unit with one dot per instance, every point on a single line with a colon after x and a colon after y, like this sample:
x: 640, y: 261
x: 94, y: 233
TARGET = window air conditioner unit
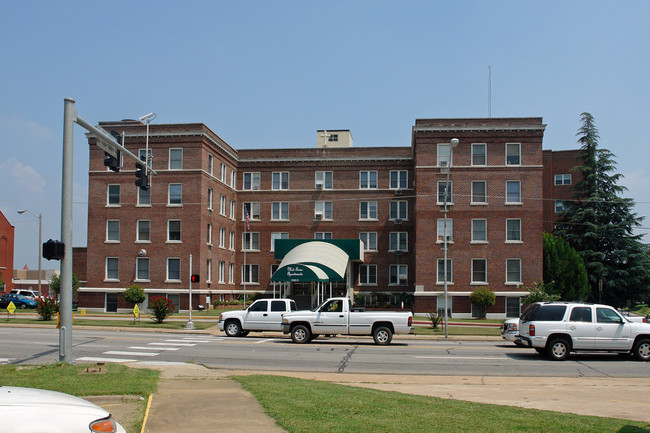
x: 398, y: 220
x: 319, y: 185
x: 402, y: 279
x: 398, y: 192
x: 398, y: 252
x: 319, y: 216
x: 444, y: 163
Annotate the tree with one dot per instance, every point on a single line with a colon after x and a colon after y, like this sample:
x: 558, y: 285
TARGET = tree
x: 482, y: 298
x: 55, y: 283
x: 538, y: 293
x: 564, y: 270
x: 134, y: 294
x: 161, y: 308
x: 599, y: 224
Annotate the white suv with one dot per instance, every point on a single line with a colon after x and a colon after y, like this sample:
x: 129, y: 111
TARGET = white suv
x: 557, y: 328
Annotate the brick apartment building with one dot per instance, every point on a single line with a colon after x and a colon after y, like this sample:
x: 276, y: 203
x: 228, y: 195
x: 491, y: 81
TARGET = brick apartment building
x: 6, y: 254
x: 240, y: 213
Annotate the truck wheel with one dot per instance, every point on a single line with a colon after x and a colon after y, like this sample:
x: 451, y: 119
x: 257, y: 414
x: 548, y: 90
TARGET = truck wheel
x: 642, y: 350
x: 558, y: 349
x: 382, y: 335
x: 300, y: 334
x: 233, y: 328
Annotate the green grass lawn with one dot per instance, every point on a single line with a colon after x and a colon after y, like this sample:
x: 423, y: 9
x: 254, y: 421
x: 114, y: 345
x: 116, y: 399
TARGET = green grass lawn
x: 308, y: 406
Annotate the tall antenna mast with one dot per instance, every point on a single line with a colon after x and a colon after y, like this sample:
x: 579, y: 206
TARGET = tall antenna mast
x: 489, y: 91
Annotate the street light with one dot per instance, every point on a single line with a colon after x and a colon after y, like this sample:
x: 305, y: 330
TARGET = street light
x: 40, y: 244
x: 452, y: 145
x: 146, y: 119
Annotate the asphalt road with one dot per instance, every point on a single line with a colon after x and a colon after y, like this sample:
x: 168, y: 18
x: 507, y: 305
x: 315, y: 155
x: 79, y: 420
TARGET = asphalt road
x: 407, y: 354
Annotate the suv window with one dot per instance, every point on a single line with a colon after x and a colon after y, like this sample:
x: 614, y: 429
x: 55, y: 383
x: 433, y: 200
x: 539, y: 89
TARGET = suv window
x: 548, y: 313
x: 258, y: 306
x: 581, y: 314
x: 605, y: 315
x: 278, y: 306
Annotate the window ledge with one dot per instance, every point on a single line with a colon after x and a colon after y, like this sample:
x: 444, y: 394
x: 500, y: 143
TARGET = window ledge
x: 478, y: 242
x: 174, y: 205
x: 368, y: 219
x: 142, y: 242
x: 513, y: 283
x: 514, y: 203
x: 173, y: 281
x: 478, y: 203
x: 514, y: 242
x: 141, y: 281
x: 442, y: 283
x: 111, y: 242
x: 173, y: 242
x: 368, y: 284
x: 280, y: 220
x: 110, y: 280
x: 479, y: 283
x: 113, y: 205
x: 142, y: 205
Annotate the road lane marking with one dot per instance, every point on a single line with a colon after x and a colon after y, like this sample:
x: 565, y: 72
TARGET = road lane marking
x: 173, y: 344
x: 153, y: 348
x: 118, y: 352
x: 91, y: 359
x: 482, y: 358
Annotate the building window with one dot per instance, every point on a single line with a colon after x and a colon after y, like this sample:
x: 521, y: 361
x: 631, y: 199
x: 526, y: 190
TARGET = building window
x: 251, y: 241
x: 441, y: 271
x: 479, y: 192
x: 231, y: 243
x: 368, y: 180
x: 173, y: 269
x: 513, y: 191
x: 332, y: 137
x: 209, y: 199
x: 250, y: 274
x: 367, y: 274
x: 513, y: 154
x: 252, y: 209
x: 142, y: 268
x: 449, y: 233
x: 113, y: 195
x: 275, y: 236
x: 174, y: 230
x: 513, y: 230
x: 398, y: 241
x: 280, y: 180
x: 224, y: 174
x: 513, y: 271
x: 479, y: 154
x: 141, y: 155
x: 479, y: 230
x: 209, y: 234
x: 112, y: 268
x: 322, y: 235
x: 563, y: 179
x: 251, y: 181
x: 449, y: 192
x: 222, y: 205
x: 369, y: 240
x: 233, y: 179
x: 398, y: 210
x: 222, y: 272
x: 398, y: 275
x: 368, y: 210
x: 445, y: 155
x: 175, y: 194
x: 211, y: 164
x: 479, y: 271
x: 144, y: 231
x: 144, y: 197
x: 232, y: 209
x: 231, y: 273
x: 222, y: 237
x: 323, y: 210
x: 559, y: 206
x: 280, y: 210
x: 113, y: 231
x: 175, y: 159
x: 398, y: 179
x: 324, y: 179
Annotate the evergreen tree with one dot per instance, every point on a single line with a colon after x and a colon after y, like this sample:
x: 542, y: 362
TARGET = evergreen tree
x: 599, y: 224
x: 564, y: 270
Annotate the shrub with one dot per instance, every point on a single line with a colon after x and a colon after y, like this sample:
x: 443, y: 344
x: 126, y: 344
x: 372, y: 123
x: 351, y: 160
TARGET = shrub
x: 47, y: 307
x: 161, y: 308
x: 134, y: 294
x: 538, y: 293
x: 482, y: 298
x: 436, y: 319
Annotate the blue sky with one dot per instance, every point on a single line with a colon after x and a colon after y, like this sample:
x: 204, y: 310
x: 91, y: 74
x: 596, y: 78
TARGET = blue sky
x: 270, y: 73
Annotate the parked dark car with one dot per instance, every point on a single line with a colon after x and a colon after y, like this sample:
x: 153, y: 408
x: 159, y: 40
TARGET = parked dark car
x: 19, y: 301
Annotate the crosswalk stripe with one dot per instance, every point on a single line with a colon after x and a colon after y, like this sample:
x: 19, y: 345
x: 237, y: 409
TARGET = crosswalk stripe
x: 91, y: 359
x: 153, y: 348
x: 117, y: 352
x: 173, y: 344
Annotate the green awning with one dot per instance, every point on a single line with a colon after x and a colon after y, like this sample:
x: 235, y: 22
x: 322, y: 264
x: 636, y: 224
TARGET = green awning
x: 310, y: 260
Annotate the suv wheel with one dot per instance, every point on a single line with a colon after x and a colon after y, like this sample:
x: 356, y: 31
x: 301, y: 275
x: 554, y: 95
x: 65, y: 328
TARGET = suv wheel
x: 233, y: 328
x: 642, y: 350
x: 558, y: 349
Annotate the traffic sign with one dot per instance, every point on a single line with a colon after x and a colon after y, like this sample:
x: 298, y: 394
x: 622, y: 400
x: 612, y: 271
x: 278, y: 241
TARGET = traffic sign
x: 11, y: 308
x: 136, y: 310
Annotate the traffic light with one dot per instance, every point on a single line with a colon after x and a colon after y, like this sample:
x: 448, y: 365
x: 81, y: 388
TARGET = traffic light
x: 141, y: 178
x: 112, y: 162
x: 195, y: 278
x: 53, y: 250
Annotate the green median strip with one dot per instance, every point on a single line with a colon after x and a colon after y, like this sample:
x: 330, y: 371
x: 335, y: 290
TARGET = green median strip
x: 308, y: 406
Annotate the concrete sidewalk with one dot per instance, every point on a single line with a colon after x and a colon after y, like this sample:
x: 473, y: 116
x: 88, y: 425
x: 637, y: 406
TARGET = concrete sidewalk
x: 193, y: 398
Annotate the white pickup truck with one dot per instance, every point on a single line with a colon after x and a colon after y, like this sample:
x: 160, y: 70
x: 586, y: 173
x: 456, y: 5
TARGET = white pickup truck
x: 261, y: 315
x: 335, y: 316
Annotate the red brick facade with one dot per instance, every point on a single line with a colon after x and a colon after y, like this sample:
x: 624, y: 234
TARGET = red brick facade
x: 357, y: 180
x: 6, y: 253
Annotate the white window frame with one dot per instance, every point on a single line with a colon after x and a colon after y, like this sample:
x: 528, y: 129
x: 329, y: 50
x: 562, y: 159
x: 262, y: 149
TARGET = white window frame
x: 138, y: 261
x: 367, y: 272
x: 396, y: 181
x: 558, y: 206
x: 398, y: 275
x: 280, y: 181
x: 508, y: 202
x: 440, y: 197
x: 254, y: 210
x: 248, y: 274
x: 440, y: 231
x: 222, y: 205
x: 369, y: 214
x: 250, y: 240
x: 108, y: 223
x: 398, y: 210
x: 233, y: 206
x: 562, y: 179
x: 144, y: 197
x: 280, y: 211
x: 325, y: 179
x: 224, y: 173
x: 254, y: 181
x: 278, y: 235
x: 399, y: 239
x: 222, y: 237
x: 233, y: 179
x: 323, y: 235
x: 485, y: 279
x: 370, y: 241
x: 116, y: 260
x: 476, y: 154
x: 210, y: 195
x: 324, y: 208
x: 513, y: 260
x: 508, y: 145
x: 231, y: 241
x: 370, y: 182
x: 138, y: 238
x: 108, y: 194
x: 231, y: 273
x: 210, y: 164
x: 172, y: 151
x: 474, y: 240
x: 180, y: 231
x: 441, y: 154
x: 440, y: 269
x: 473, y: 200
x: 222, y: 273
x: 169, y: 194
x: 180, y: 273
x: 513, y: 241
x: 208, y: 236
